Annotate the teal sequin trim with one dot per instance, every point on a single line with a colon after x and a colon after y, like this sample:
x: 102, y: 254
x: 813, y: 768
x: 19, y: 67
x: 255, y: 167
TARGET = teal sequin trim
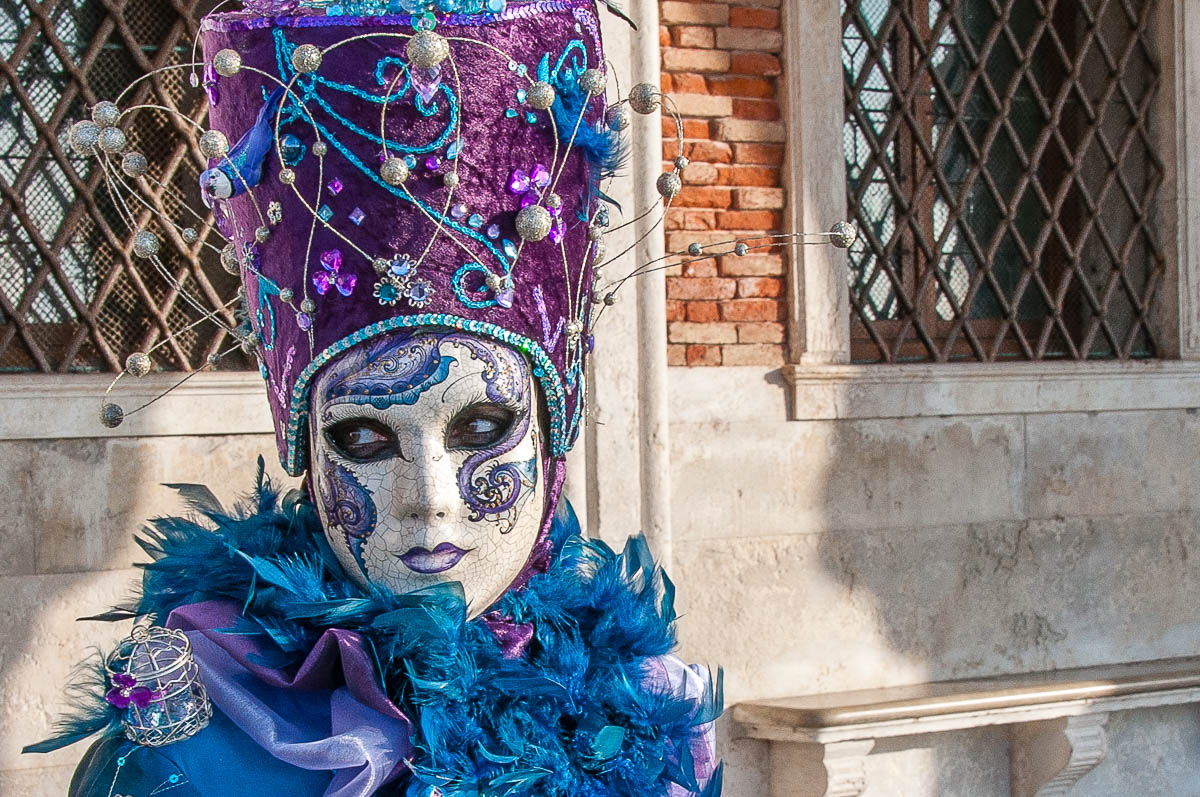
x: 562, y: 428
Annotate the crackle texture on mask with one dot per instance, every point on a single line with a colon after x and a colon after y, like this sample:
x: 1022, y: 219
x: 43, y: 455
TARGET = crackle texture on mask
x: 427, y: 455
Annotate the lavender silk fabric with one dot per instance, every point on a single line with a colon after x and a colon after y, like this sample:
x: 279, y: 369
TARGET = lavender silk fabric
x: 669, y: 673
x: 345, y: 97
x: 330, y: 715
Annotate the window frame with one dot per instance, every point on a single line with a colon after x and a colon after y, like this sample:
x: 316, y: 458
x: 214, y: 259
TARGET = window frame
x: 823, y: 384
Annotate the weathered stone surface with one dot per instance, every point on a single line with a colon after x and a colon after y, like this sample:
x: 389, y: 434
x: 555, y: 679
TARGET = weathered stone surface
x: 40, y: 644
x: 1151, y: 751
x: 760, y: 479
x: 797, y: 614
x: 77, y: 503
x: 43, y: 782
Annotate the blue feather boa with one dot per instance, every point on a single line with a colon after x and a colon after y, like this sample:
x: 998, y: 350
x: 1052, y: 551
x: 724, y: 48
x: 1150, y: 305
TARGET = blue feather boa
x: 573, y: 717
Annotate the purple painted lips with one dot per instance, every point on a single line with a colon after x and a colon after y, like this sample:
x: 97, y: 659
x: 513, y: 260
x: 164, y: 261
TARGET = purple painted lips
x: 440, y: 559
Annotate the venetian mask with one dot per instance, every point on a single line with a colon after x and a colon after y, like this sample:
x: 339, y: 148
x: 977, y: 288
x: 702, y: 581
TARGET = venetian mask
x: 427, y: 462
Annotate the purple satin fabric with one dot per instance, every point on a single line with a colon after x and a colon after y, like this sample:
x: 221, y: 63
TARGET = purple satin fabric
x: 670, y: 674
x: 330, y: 714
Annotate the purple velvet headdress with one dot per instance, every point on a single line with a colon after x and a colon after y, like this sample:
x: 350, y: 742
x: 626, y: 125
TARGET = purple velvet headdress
x: 382, y: 172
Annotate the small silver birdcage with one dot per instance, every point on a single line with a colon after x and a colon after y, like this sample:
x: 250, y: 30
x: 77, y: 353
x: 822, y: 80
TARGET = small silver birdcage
x: 155, y: 680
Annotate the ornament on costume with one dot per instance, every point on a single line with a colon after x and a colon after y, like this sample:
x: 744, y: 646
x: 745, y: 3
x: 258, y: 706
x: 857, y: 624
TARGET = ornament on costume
x: 154, y: 680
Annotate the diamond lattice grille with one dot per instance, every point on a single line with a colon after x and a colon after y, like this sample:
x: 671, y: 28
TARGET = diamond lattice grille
x: 1003, y: 172
x: 72, y: 297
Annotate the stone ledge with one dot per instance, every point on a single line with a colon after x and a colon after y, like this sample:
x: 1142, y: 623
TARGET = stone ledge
x: 828, y: 392
x: 39, y: 407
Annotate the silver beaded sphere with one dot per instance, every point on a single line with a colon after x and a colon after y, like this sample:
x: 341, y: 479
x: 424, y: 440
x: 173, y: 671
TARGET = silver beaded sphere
x: 145, y: 243
x: 105, y: 113
x: 138, y: 364
x: 553, y: 201
x: 669, y: 185
x: 134, y: 164
x: 533, y: 223
x: 574, y: 328
x: 189, y: 235
x: 643, y: 98
x: 741, y: 249
x: 84, y: 137
x: 842, y: 235
x: 262, y: 234
x: 393, y: 171
x: 381, y: 265
x: 227, y: 62
x: 213, y: 358
x: 308, y: 306
x: 540, y: 95
x: 214, y: 144
x: 286, y: 295
x: 695, y: 249
x: 111, y: 415
x: 427, y: 49
x: 229, y: 259
x: 320, y: 149
x: 610, y: 299
x: 618, y: 118
x: 594, y: 233
x: 682, y: 163
x: 450, y: 180
x: 307, y: 58
x: 112, y: 140
x: 287, y: 176
x: 593, y: 81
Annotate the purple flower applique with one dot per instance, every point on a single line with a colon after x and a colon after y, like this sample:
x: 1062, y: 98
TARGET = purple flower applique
x: 332, y: 276
x: 125, y: 691
x: 529, y: 185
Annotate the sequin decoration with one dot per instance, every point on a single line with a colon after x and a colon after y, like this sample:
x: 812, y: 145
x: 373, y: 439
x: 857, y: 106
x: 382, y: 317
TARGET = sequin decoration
x: 332, y: 275
x: 357, y: 216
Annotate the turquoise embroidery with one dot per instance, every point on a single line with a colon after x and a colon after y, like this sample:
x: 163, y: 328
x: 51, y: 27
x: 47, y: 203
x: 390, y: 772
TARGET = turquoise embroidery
x: 264, y: 314
x: 497, y: 298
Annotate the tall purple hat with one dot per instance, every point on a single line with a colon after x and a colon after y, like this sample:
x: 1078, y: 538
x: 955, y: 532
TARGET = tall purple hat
x: 382, y: 165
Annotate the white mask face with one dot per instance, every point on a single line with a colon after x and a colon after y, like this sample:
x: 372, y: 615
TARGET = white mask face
x: 427, y: 462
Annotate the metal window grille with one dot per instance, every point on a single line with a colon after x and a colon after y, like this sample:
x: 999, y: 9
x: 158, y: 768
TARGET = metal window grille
x: 72, y: 297
x: 1003, y: 174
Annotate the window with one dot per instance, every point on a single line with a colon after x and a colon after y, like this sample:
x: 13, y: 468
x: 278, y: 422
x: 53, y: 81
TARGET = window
x: 72, y: 298
x: 1002, y: 169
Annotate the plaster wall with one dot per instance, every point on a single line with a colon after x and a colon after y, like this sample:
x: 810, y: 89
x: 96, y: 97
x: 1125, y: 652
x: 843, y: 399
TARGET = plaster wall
x: 828, y: 555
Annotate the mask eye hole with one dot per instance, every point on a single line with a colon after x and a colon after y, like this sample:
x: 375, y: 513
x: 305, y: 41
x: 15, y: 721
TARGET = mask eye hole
x: 362, y: 440
x: 478, y: 427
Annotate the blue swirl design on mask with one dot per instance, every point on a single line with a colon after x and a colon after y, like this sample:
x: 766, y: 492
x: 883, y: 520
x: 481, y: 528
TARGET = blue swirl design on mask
x: 386, y: 372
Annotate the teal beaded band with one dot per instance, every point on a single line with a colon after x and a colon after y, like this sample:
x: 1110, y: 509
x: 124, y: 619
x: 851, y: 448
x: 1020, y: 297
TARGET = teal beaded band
x: 543, y: 368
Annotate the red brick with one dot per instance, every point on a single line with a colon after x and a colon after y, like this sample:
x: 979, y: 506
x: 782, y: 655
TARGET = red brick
x: 692, y: 128
x: 742, y: 17
x: 758, y: 198
x: 749, y: 130
x: 688, y: 332
x: 764, y: 176
x: 760, y: 88
x: 752, y: 354
x: 703, y: 355
x: 754, y: 64
x: 752, y: 287
x: 768, y: 154
x: 749, y: 39
x: 676, y: 354
x: 760, y: 332
x: 689, y: 83
x: 692, y: 36
x: 704, y: 288
x: 700, y: 268
x: 703, y: 197
x: 693, y: 13
x: 676, y: 310
x: 680, y: 241
x: 763, y: 110
x: 688, y: 219
x: 700, y: 173
x: 664, y: 36
x: 758, y: 264
x: 749, y: 220
x: 701, y: 312
x: 675, y: 59
x: 707, y: 151
x: 749, y: 309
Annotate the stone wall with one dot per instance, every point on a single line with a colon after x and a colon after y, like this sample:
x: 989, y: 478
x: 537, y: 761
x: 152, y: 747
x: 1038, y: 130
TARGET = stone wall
x: 829, y: 555
x: 809, y: 556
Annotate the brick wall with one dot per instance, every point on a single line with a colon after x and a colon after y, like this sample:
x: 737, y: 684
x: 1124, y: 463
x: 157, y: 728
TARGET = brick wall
x: 720, y: 64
